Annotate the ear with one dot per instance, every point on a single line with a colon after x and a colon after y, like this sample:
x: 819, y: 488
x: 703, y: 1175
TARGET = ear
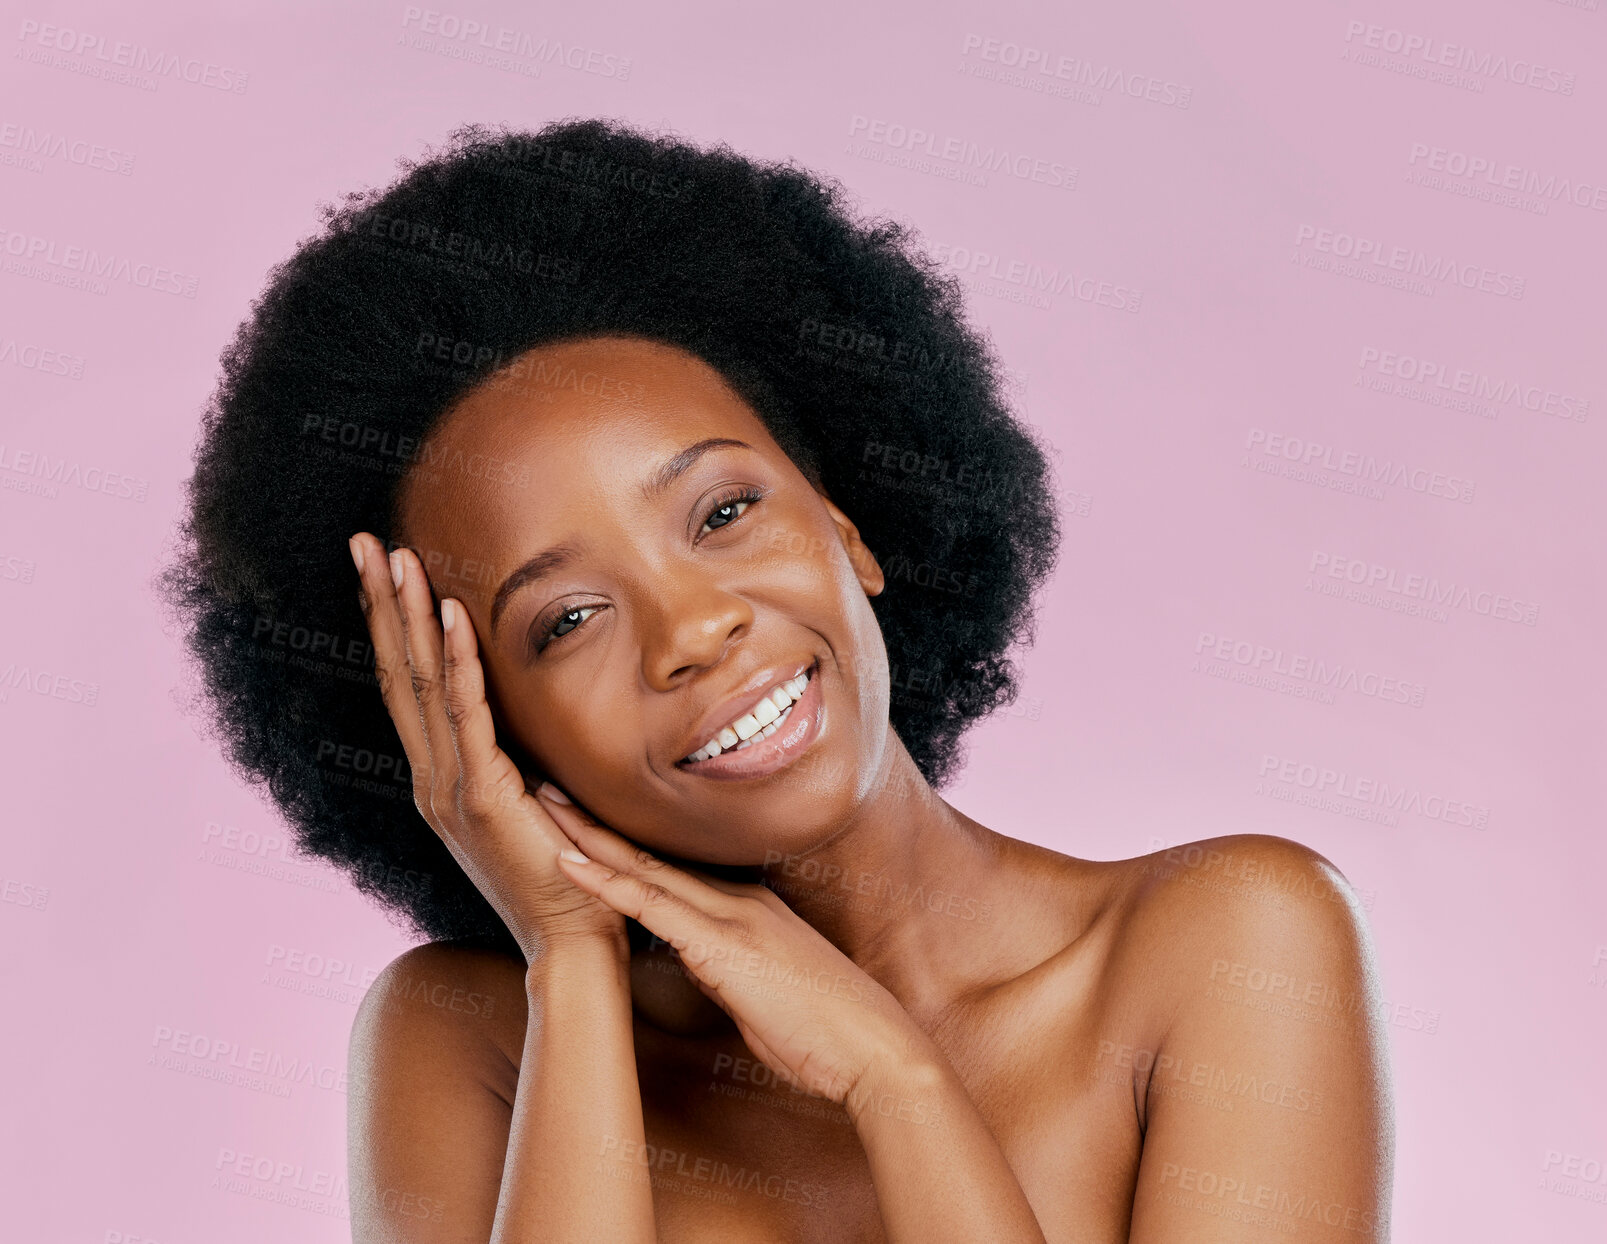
x: 866, y: 569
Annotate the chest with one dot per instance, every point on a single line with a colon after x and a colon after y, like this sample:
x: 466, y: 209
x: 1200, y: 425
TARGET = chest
x: 735, y: 1154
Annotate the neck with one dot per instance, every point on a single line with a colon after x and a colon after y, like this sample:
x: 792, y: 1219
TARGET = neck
x: 908, y: 887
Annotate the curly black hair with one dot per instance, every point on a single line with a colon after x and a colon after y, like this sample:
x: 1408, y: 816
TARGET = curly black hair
x: 847, y: 341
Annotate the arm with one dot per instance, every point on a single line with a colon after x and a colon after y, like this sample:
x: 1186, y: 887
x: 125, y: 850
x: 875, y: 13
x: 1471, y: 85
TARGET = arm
x: 823, y: 1024
x: 452, y: 1143
x: 939, y: 1173
x: 441, y: 1112
x: 578, y: 1103
x: 1273, y: 1008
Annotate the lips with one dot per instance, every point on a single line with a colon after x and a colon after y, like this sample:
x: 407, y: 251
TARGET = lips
x: 789, y: 736
x: 757, y: 686
x: 759, y: 720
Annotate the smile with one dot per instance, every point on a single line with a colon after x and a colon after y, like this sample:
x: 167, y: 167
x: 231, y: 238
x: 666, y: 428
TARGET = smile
x: 768, y: 736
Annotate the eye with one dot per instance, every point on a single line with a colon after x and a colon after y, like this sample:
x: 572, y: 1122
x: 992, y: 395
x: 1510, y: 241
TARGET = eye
x: 729, y: 508
x: 565, y: 622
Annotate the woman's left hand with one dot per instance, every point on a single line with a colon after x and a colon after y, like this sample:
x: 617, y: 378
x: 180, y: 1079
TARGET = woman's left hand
x: 808, y: 1011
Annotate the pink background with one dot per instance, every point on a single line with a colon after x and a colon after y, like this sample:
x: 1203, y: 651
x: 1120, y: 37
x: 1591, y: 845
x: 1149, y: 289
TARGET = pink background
x: 145, y: 890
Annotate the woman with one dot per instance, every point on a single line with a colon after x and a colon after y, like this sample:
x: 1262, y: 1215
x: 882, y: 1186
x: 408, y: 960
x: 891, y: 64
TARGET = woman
x: 691, y: 533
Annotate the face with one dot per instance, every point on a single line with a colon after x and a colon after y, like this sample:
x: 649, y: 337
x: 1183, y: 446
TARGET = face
x: 643, y: 564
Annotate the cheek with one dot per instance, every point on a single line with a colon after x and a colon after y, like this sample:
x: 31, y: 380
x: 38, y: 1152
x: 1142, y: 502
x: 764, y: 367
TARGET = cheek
x: 580, y: 738
x: 562, y: 734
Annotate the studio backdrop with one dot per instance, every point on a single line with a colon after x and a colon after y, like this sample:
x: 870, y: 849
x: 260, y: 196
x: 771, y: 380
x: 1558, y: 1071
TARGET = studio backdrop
x: 1306, y: 300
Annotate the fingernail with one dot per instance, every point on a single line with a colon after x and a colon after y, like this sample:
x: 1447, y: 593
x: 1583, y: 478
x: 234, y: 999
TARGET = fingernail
x: 396, y: 568
x: 552, y: 793
x: 573, y: 856
x: 449, y: 615
x: 357, y: 553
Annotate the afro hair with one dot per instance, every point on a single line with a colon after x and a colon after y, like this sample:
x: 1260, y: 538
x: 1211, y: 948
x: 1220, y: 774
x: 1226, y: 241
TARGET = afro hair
x: 844, y: 338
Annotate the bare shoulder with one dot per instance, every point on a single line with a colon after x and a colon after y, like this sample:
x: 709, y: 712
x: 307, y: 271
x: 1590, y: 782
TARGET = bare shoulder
x: 1225, y: 882
x: 442, y: 996
x: 1263, y: 1064
x: 432, y: 1079
x: 1246, y: 907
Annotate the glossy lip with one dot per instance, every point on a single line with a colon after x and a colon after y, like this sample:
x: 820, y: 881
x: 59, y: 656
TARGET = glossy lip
x: 779, y: 750
x: 758, y: 687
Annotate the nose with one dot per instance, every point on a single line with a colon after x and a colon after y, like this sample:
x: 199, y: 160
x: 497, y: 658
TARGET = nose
x: 691, y: 622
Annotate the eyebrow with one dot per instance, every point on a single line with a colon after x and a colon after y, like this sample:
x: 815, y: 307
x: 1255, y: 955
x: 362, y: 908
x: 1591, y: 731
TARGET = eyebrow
x: 682, y: 463
x: 545, y: 563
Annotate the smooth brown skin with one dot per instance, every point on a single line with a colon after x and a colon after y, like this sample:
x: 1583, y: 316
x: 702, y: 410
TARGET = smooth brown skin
x: 1182, y: 1047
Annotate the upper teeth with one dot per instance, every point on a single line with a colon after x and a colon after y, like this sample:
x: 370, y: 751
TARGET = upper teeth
x: 761, y: 723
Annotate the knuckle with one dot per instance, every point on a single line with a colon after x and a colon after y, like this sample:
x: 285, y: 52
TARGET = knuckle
x: 390, y: 685
x: 656, y: 896
x: 477, y: 798
x: 423, y: 685
x: 741, y: 931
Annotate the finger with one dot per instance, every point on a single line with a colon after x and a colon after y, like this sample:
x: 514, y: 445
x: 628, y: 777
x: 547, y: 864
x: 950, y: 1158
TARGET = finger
x: 422, y: 631
x: 614, y: 851
x: 706, y: 944
x: 378, y: 600
x: 489, y: 778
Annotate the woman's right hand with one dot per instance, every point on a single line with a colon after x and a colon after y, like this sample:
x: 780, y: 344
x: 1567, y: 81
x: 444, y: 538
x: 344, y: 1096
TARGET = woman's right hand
x: 466, y: 787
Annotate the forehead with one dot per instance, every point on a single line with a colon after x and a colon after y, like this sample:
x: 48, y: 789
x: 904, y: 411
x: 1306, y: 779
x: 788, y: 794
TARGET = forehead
x: 580, y: 414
